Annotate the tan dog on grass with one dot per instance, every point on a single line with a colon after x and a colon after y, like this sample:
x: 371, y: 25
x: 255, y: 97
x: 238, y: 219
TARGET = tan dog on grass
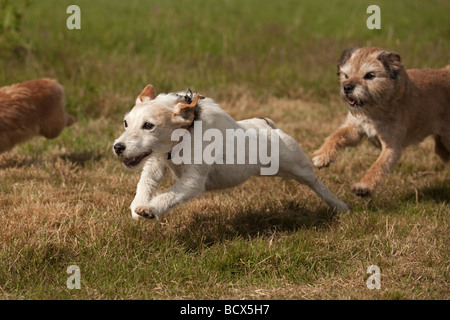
x: 392, y: 106
x: 32, y: 108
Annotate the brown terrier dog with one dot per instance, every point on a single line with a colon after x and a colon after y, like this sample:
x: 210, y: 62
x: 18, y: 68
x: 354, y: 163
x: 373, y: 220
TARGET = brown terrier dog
x: 392, y: 106
x: 31, y: 108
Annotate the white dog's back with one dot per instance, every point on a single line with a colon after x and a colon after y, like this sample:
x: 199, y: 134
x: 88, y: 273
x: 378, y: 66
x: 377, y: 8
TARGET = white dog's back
x: 205, y: 149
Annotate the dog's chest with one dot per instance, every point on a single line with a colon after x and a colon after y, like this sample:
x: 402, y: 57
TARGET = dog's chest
x: 177, y: 170
x: 367, y: 125
x: 369, y: 128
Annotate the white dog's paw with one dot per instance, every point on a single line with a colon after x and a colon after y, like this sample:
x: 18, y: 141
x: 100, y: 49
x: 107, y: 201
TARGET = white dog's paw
x: 143, y: 212
x: 342, y: 207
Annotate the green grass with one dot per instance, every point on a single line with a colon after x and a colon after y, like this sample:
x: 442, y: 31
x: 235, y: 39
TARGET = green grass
x: 286, y: 49
x: 65, y: 201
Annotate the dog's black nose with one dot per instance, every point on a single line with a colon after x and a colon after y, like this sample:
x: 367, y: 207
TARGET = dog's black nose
x: 349, y: 88
x: 119, y: 148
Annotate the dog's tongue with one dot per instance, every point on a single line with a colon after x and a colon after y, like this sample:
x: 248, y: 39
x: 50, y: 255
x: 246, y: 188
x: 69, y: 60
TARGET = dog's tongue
x: 351, y: 101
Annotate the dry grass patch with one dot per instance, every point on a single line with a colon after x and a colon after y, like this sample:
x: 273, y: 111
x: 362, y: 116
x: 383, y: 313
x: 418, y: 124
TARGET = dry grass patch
x: 66, y: 202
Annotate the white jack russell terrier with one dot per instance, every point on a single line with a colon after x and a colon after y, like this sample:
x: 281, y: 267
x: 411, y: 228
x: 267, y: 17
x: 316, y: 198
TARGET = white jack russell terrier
x: 185, y: 134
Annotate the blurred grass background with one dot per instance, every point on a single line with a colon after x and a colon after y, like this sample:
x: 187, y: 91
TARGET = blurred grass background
x: 268, y: 48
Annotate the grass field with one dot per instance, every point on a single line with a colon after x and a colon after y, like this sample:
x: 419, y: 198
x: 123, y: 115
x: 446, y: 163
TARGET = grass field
x: 65, y: 201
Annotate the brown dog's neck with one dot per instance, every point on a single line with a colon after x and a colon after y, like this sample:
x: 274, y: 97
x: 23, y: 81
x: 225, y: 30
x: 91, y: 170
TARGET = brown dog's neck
x: 403, y: 86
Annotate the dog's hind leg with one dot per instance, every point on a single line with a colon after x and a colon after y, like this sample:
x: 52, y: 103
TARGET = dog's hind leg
x: 442, y: 147
x: 311, y: 180
x: 296, y: 165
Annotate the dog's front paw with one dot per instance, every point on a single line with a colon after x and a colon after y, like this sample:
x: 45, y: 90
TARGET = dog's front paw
x: 322, y: 159
x: 362, y: 189
x: 143, y: 212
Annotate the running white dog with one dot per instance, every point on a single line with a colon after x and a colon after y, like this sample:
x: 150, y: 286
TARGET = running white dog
x: 150, y: 142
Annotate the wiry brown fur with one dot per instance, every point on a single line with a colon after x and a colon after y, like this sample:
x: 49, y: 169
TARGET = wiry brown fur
x: 394, y: 109
x: 32, y: 108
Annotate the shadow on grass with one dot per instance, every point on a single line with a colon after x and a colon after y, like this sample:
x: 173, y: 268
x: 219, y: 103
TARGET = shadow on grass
x: 18, y: 162
x: 80, y: 158
x: 77, y: 158
x: 207, y: 230
x: 438, y: 193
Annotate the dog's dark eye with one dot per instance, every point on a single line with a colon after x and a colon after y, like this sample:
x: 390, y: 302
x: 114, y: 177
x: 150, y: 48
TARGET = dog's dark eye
x: 369, y: 76
x: 346, y: 76
x: 125, y: 124
x: 148, y: 126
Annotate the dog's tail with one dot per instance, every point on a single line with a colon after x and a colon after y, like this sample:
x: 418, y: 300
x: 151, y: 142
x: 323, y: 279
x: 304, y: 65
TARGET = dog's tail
x: 69, y: 120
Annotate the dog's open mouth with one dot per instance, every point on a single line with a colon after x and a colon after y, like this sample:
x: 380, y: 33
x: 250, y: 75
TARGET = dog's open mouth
x: 133, y: 162
x: 353, y: 103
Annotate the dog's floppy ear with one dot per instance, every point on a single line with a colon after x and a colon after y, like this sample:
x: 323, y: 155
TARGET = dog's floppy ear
x: 346, y: 54
x: 391, y: 62
x: 184, y: 113
x: 147, y: 94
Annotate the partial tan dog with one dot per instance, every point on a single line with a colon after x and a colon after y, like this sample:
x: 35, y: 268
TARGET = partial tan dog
x: 393, y: 107
x: 32, y: 108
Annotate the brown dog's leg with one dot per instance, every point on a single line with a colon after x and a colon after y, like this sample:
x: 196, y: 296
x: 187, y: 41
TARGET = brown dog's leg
x: 377, y: 172
x: 440, y: 149
x: 343, y: 137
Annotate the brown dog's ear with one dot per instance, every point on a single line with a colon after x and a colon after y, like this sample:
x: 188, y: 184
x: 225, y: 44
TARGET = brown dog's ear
x: 147, y: 94
x: 391, y: 62
x: 184, y: 113
x: 346, y: 54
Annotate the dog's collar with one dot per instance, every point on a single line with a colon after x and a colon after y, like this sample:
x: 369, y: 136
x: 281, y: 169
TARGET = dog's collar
x: 188, y: 96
